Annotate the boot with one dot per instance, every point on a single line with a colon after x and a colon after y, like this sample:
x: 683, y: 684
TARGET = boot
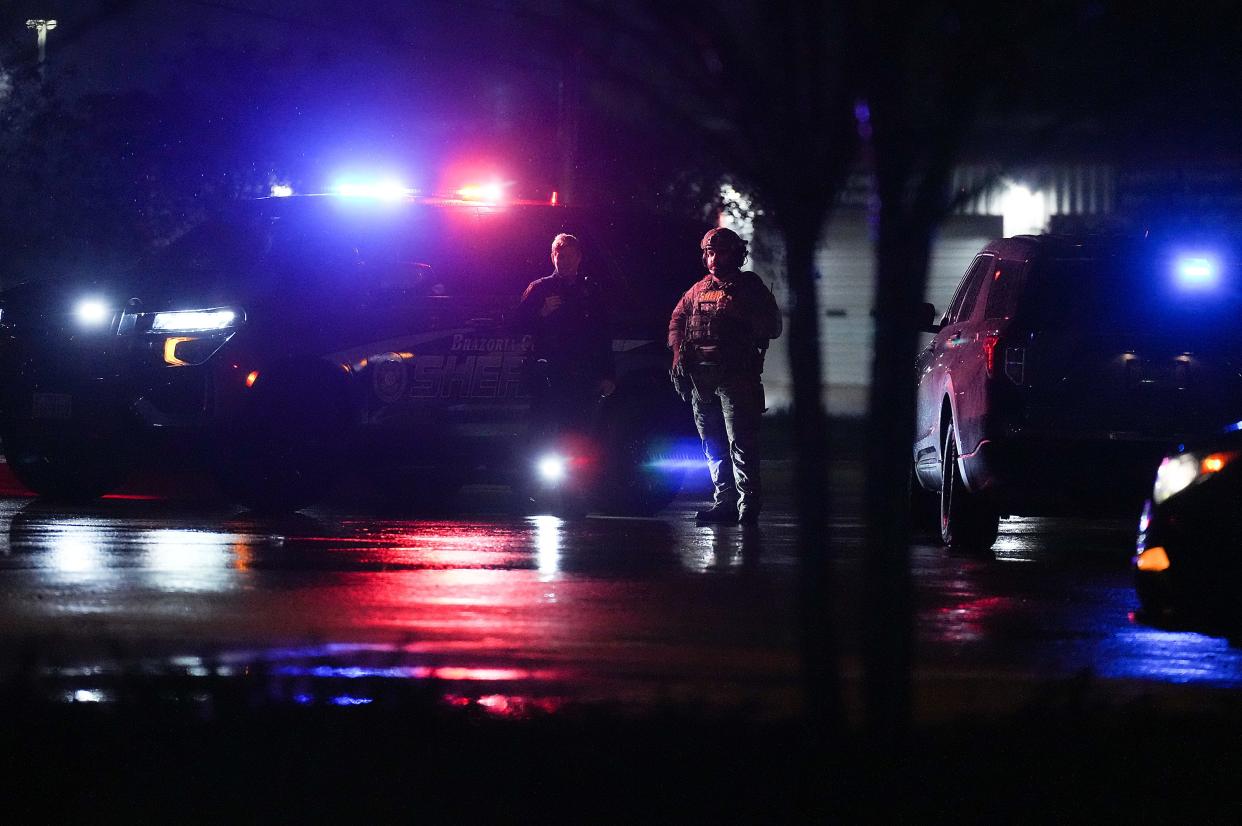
x: 720, y: 514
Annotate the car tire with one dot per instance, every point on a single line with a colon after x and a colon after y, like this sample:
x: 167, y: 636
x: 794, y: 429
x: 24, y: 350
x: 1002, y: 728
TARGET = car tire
x: 967, y: 522
x: 559, y: 503
x: 1155, y: 595
x: 631, y: 485
x: 272, y: 477
x: 63, y: 467
x: 287, y: 452
x: 924, y: 508
x: 430, y: 492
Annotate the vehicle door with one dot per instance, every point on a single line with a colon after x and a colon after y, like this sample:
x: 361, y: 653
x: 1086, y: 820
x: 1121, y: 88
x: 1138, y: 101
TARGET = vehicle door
x: 440, y: 377
x: 949, y: 367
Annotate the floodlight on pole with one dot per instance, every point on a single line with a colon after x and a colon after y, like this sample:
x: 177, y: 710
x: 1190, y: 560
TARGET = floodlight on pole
x: 41, y: 28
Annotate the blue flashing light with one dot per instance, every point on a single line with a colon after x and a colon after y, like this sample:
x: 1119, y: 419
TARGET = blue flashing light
x: 281, y: 191
x: 1197, y: 272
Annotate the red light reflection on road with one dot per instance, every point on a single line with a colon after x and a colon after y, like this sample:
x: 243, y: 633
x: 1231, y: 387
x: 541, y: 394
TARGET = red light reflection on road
x: 505, y: 705
x: 456, y: 673
x: 434, y: 545
x: 965, y: 621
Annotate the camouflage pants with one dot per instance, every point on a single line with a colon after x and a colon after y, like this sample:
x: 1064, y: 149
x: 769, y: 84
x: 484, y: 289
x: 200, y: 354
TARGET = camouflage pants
x: 727, y: 417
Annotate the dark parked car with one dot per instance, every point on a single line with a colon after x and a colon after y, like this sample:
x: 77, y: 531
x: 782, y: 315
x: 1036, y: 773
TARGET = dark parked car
x: 1187, y: 559
x: 1063, y: 369
x: 293, y: 340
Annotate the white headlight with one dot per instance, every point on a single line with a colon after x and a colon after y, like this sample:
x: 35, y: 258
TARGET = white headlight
x: 92, y: 312
x: 193, y: 321
x: 1176, y: 473
x: 552, y: 468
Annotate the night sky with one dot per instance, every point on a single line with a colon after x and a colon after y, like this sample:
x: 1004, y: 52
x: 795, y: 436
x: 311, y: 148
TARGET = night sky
x: 222, y: 98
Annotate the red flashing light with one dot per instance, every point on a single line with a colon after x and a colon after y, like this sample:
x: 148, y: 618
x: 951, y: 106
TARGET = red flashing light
x: 555, y: 197
x: 487, y: 193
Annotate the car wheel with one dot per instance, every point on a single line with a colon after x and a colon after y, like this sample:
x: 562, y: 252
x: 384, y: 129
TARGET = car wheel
x: 64, y: 467
x: 431, y: 492
x: 633, y: 485
x: 924, y: 508
x: 560, y: 503
x: 273, y: 477
x: 287, y: 452
x: 1155, y: 597
x: 967, y: 523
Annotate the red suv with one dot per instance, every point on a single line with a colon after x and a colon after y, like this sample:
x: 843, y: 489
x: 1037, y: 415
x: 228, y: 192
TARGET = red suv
x: 1064, y: 369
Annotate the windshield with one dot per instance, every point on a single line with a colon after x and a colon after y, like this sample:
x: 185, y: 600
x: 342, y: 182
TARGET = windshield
x: 456, y: 251
x: 1129, y: 292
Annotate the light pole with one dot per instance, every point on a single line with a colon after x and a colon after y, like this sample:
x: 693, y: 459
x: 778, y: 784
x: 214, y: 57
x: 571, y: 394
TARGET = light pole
x: 41, y: 27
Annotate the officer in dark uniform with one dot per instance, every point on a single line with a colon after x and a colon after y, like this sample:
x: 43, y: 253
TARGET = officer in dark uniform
x: 570, y: 365
x: 718, y: 333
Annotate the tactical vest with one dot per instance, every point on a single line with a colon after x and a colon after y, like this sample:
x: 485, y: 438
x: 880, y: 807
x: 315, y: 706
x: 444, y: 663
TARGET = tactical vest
x: 716, y: 341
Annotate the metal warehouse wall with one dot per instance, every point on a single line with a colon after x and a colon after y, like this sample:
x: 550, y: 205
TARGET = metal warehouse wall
x: 846, y: 294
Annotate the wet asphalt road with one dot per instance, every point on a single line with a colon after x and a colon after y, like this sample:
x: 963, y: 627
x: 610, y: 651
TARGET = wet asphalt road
x: 512, y: 611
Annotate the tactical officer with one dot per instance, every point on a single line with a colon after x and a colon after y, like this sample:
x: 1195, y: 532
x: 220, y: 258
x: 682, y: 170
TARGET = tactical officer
x: 570, y: 365
x: 718, y: 333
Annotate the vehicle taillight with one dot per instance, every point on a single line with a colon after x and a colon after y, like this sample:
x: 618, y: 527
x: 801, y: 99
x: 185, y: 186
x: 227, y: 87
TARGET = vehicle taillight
x: 989, y: 352
x: 1015, y: 364
x: 1014, y: 359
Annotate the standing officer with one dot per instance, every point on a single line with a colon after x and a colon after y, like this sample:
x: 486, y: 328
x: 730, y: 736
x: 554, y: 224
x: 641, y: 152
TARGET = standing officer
x: 570, y: 365
x: 718, y: 334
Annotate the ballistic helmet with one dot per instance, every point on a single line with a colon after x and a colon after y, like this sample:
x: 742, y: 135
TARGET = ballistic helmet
x: 723, y: 239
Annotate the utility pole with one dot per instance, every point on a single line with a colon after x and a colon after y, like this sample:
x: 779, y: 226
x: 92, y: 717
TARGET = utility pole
x: 41, y: 27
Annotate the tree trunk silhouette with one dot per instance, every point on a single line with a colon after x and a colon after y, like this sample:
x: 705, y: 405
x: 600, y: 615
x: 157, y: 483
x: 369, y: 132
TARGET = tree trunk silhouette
x: 811, y: 498
x: 902, y: 252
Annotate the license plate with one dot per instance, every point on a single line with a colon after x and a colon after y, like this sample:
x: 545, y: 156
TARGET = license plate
x: 52, y: 406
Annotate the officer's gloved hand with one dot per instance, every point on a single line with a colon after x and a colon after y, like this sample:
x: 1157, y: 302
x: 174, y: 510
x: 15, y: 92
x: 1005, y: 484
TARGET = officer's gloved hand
x: 681, y: 380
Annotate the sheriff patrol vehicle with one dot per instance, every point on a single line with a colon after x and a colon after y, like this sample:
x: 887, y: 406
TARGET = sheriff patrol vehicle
x: 290, y: 341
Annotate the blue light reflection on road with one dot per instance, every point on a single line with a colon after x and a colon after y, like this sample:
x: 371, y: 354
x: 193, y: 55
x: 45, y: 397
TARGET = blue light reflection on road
x: 1056, y: 599
x: 1144, y: 653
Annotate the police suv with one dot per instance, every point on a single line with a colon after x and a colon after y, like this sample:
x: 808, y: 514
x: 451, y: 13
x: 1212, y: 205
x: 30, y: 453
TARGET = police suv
x: 291, y: 341
x: 1063, y: 370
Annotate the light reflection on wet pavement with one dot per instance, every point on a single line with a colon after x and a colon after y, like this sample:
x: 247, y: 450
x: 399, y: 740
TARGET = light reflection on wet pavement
x: 516, y: 614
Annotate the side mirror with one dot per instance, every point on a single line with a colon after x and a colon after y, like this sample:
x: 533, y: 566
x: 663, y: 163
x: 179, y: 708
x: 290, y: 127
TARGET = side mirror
x: 927, y: 319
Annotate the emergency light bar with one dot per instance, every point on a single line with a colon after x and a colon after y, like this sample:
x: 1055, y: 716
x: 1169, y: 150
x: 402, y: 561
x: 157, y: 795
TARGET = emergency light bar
x: 489, y: 193
x: 390, y: 190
